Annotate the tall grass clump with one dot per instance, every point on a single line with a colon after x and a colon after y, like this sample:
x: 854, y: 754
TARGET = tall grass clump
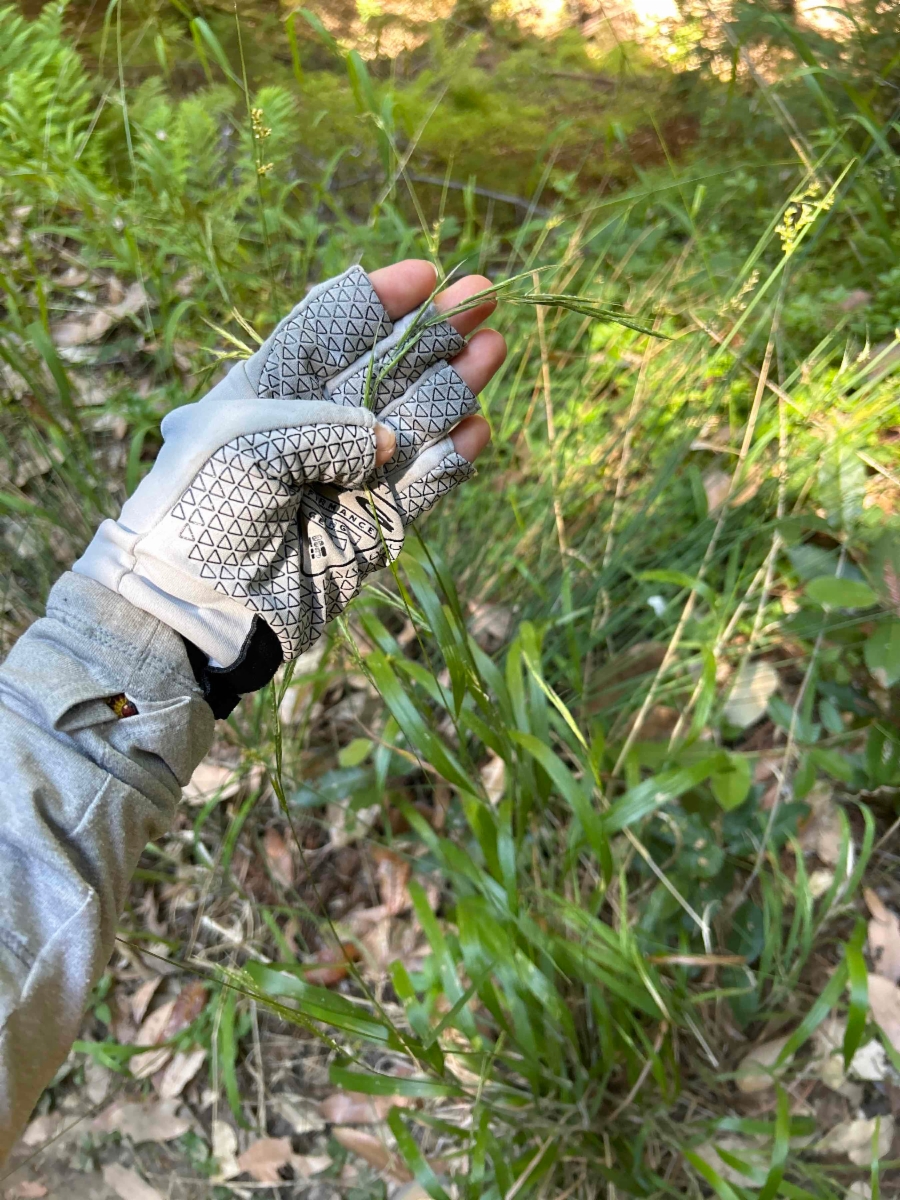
x: 612, y: 687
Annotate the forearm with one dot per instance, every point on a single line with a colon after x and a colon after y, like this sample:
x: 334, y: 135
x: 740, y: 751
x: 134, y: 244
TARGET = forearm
x: 83, y: 791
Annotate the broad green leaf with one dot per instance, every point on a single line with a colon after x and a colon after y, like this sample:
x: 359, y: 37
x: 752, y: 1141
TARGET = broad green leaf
x: 882, y: 653
x: 361, y: 82
x: 355, y: 752
x: 372, y: 1083
x: 832, y: 762
x: 200, y: 29
x: 290, y: 28
x: 410, y: 720
x: 653, y: 793
x: 842, y: 486
x: 732, y: 785
x: 859, y: 993
x: 319, y: 1004
x: 831, y: 591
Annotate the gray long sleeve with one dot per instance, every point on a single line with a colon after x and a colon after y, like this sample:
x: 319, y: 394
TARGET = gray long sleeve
x: 81, y: 793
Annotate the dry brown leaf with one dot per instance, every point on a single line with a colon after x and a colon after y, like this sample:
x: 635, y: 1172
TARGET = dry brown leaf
x: 355, y: 1108
x: 179, y: 1072
x: 97, y: 1079
x: 128, y: 1184
x: 392, y: 873
x: 143, y: 1120
x: 334, y: 968
x: 459, y: 1063
x: 820, y: 881
x: 264, y: 1159
x: 211, y: 779
x: 140, y: 1001
x: 884, y: 937
x: 133, y: 300
x: 150, y: 1034
x: 490, y: 625
x: 224, y: 1151
x: 278, y: 856
x: 656, y: 725
x: 870, y: 1062
x: 302, y: 1115
x: 493, y: 776
x: 752, y: 481
x: 90, y: 326
x: 165, y: 1023
x: 755, y: 1073
x: 188, y: 1006
x: 42, y: 1128
x: 716, y: 484
x: 71, y: 277
x: 373, y: 1150
x: 307, y: 1165
x: 856, y: 298
x: 377, y: 943
x: 884, y: 1005
x: 25, y: 1189
x: 854, y: 1138
x: 411, y: 1191
x: 821, y: 834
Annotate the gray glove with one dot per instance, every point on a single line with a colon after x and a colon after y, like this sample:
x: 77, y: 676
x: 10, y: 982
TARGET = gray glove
x: 264, y: 510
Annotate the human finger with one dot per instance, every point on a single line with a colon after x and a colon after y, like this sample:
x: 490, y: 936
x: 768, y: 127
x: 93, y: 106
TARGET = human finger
x: 385, y: 444
x: 482, y: 357
x: 470, y: 437
x: 460, y: 292
x: 403, y: 286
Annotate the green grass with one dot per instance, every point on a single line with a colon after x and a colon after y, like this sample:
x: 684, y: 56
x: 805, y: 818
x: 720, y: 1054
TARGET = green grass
x: 632, y: 911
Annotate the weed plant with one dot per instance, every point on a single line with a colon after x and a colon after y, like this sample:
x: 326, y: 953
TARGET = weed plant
x: 693, y: 473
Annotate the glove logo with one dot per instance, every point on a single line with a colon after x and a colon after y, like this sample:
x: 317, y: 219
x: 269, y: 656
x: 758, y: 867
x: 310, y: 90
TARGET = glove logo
x: 348, y: 526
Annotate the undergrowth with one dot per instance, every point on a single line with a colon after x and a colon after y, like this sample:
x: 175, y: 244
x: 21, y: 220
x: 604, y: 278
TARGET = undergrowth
x: 684, y: 546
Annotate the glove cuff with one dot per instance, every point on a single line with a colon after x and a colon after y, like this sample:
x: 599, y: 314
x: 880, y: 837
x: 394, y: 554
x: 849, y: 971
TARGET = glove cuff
x: 222, y: 687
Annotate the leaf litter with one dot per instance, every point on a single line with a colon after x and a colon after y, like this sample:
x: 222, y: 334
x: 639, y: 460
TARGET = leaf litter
x: 883, y: 937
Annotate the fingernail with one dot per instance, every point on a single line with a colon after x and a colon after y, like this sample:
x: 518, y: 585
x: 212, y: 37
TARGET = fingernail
x: 385, y: 444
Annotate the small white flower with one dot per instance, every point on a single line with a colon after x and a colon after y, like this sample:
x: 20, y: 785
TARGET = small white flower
x: 657, y: 604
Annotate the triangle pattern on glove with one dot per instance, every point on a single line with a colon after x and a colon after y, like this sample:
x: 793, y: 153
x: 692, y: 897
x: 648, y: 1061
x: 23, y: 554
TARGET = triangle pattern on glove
x: 323, y: 337
x: 240, y: 516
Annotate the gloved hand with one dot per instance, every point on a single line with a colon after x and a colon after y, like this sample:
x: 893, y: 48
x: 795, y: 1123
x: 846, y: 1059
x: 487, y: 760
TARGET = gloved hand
x: 265, y: 509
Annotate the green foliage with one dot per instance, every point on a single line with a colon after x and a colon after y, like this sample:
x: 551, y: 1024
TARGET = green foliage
x: 634, y: 886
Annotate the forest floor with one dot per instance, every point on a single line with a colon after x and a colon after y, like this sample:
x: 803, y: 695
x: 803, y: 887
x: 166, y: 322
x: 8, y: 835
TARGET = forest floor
x: 567, y: 864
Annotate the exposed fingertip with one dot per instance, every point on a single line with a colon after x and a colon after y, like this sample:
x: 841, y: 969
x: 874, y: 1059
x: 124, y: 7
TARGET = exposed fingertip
x: 461, y: 291
x: 470, y: 437
x: 385, y: 444
x: 403, y: 286
x: 483, y: 356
